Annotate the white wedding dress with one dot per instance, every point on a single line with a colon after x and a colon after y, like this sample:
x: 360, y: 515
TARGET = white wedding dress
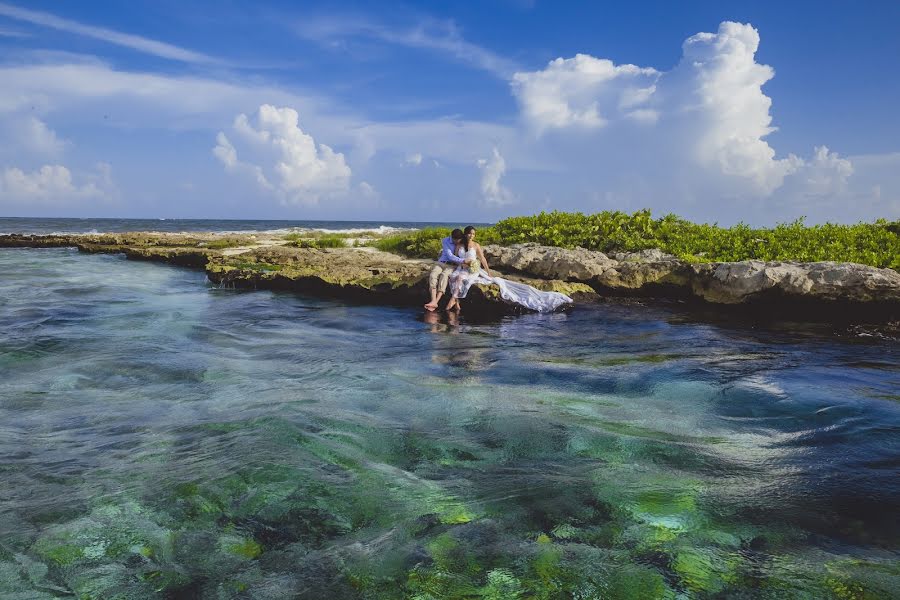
x: 522, y: 294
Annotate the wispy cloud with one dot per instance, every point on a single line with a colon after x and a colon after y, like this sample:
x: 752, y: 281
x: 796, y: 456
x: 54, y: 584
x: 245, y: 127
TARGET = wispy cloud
x: 428, y: 34
x: 127, y: 40
x: 12, y: 33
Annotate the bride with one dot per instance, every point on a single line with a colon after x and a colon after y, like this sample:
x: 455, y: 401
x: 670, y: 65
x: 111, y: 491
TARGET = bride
x: 466, y: 275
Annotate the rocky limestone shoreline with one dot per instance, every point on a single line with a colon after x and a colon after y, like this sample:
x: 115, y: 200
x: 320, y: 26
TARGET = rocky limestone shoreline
x: 363, y: 274
x: 823, y: 290
x: 651, y: 272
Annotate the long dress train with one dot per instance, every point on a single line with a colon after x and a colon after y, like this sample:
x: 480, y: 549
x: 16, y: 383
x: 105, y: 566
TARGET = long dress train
x: 522, y: 294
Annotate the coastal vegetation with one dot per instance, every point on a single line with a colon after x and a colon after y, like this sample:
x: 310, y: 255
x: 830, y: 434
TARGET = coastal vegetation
x: 332, y: 239
x: 325, y: 241
x: 875, y: 244
x: 221, y: 244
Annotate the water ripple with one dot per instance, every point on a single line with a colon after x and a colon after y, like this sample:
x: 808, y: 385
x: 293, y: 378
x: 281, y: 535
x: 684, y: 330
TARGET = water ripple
x: 159, y: 433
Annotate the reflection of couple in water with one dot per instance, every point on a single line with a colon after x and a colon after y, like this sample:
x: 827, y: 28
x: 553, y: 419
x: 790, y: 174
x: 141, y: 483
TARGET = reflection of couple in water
x: 462, y: 264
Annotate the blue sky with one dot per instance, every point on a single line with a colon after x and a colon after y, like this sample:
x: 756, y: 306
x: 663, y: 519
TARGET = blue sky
x: 717, y: 111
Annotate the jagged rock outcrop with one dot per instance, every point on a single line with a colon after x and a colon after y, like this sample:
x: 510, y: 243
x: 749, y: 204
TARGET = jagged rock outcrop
x: 733, y: 283
x: 643, y: 273
x: 361, y: 270
x: 550, y: 262
x: 829, y: 286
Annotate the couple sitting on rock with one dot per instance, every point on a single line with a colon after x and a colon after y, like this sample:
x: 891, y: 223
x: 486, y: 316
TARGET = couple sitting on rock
x: 462, y: 264
x: 458, y: 267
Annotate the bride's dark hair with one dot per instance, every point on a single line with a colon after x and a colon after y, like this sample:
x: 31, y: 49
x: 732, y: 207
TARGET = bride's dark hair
x: 465, y: 239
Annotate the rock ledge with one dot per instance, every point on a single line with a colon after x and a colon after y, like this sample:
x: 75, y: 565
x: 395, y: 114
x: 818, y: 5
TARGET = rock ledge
x: 825, y: 286
x: 826, y: 290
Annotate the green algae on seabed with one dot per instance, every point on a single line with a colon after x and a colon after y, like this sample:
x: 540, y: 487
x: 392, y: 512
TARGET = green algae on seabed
x: 345, y: 489
x: 468, y: 555
x: 654, y: 434
x: 89, y: 553
x: 269, y: 498
x: 243, y: 547
x: 17, y: 358
x: 892, y: 397
x: 612, y: 360
x: 572, y: 400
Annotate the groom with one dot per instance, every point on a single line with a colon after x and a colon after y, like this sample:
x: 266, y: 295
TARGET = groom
x: 446, y: 263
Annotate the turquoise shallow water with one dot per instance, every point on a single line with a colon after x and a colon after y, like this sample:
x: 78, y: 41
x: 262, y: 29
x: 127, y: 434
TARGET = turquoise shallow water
x: 160, y: 437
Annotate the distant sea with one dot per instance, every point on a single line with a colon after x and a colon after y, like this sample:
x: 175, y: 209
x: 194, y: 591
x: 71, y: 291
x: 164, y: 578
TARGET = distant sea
x: 35, y: 225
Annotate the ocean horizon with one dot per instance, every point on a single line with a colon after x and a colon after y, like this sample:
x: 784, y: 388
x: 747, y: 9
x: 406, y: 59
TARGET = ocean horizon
x: 68, y: 225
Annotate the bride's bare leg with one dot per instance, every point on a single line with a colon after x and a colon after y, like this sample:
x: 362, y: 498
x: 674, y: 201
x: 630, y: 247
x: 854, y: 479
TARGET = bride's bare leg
x: 453, y: 301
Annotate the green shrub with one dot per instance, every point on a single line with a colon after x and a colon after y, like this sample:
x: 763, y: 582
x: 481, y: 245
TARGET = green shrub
x: 876, y: 244
x: 325, y: 241
x: 314, y: 235
x: 423, y: 243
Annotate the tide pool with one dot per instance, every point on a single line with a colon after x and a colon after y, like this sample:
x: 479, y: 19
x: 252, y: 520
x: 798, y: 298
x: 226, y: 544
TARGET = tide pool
x: 163, y: 438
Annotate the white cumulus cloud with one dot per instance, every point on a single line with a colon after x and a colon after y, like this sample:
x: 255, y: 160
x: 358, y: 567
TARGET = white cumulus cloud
x: 54, y: 184
x: 24, y: 135
x: 368, y: 191
x: 37, y: 137
x: 227, y: 153
x: 716, y: 90
x: 593, y: 134
x: 826, y: 173
x: 492, y: 170
x: 298, y: 169
x: 414, y: 159
x: 696, y: 132
x: 581, y: 92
